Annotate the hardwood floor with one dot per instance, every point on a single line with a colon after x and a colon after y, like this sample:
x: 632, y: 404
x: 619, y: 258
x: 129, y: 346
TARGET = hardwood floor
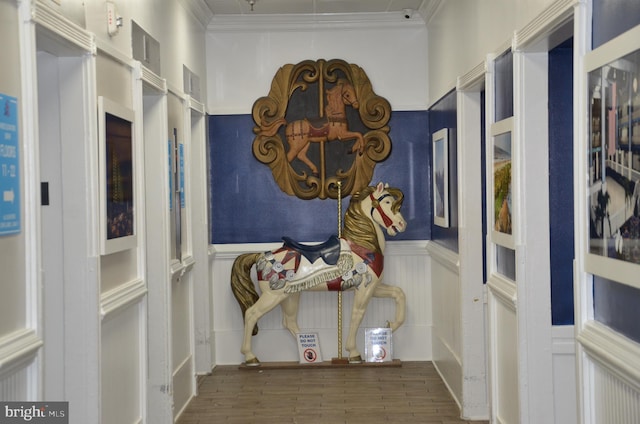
x: 411, y: 393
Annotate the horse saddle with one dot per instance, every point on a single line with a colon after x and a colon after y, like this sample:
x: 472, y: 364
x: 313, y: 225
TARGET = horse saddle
x: 318, y: 127
x: 329, y: 251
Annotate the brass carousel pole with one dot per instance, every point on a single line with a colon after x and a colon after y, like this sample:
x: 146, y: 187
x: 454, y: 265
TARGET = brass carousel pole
x: 339, y: 359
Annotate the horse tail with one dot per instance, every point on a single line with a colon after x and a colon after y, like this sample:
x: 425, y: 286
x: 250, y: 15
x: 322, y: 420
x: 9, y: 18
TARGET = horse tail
x: 242, y: 286
x: 270, y: 129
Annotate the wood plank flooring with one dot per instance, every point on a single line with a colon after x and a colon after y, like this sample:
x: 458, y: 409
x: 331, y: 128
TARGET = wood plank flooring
x: 411, y: 393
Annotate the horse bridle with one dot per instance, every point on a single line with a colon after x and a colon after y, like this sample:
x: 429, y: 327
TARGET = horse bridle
x: 375, y: 206
x: 345, y: 100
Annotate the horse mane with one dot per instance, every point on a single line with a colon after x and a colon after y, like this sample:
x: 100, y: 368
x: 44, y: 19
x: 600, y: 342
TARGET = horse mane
x: 359, y: 227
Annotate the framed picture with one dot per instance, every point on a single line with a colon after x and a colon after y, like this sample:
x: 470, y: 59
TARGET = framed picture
x: 613, y: 159
x: 117, y: 188
x: 502, y: 183
x: 440, y: 143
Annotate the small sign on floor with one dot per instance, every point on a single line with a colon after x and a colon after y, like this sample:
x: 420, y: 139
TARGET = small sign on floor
x: 309, y: 348
x: 378, y: 346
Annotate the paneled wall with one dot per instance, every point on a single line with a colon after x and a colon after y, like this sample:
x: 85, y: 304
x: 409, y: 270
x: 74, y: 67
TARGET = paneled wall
x: 20, y: 326
x: 86, y: 303
x: 606, y: 323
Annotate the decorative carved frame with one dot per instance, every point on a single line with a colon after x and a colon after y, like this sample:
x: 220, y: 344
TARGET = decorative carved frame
x: 373, y: 113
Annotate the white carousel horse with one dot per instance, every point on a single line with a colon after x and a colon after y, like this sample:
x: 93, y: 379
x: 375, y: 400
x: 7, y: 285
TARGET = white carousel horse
x: 353, y: 262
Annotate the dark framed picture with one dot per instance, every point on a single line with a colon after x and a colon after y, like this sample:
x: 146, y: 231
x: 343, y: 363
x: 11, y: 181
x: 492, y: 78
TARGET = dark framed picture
x: 117, y: 185
x: 613, y: 159
x: 440, y: 141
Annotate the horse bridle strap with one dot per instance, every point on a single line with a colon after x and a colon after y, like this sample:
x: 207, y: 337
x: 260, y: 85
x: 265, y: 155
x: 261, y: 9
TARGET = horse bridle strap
x: 375, y: 206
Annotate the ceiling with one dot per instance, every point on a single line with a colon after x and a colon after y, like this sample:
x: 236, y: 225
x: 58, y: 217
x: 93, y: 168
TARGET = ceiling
x: 314, y: 7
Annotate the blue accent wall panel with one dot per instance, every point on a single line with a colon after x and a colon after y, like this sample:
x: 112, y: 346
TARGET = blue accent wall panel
x: 503, y: 82
x: 561, y: 182
x: 247, y: 206
x: 443, y: 114
x: 616, y: 305
x: 613, y: 17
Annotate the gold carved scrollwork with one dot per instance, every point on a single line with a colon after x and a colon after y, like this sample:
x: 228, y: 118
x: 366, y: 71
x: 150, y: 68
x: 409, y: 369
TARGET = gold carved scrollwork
x: 321, y: 123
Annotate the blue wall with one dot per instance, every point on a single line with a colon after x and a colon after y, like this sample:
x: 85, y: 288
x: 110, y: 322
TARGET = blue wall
x: 613, y: 17
x: 616, y: 305
x: 443, y: 114
x: 249, y: 207
x: 561, y: 219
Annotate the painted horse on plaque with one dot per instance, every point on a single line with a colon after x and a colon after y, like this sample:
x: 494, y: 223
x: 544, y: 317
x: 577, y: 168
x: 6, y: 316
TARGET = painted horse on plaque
x: 332, y: 126
x: 354, y: 262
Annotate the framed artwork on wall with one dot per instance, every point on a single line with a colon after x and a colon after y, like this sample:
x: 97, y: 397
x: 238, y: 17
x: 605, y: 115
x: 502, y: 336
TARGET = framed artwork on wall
x: 613, y: 159
x: 440, y: 142
x: 116, y: 167
x: 502, y: 183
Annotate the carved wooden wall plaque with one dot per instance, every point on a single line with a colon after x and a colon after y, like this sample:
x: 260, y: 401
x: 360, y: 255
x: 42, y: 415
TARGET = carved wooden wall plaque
x: 321, y: 123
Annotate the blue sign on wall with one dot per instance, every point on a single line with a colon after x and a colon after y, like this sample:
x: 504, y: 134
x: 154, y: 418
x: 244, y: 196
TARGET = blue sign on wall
x: 181, y: 170
x: 171, y: 164
x: 9, y: 166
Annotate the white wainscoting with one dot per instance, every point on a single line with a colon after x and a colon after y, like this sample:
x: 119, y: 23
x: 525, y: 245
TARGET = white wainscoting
x: 564, y: 374
x: 18, y: 364
x: 406, y: 266
x: 503, y: 336
x: 123, y: 353
x: 447, y: 325
x: 614, y: 366
x: 182, y: 338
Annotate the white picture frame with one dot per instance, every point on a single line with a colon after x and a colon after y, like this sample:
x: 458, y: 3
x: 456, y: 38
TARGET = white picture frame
x: 440, y: 148
x: 116, y: 141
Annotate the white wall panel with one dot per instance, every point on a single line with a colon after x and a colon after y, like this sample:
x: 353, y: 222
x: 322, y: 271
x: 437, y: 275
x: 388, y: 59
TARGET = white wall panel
x: 179, y: 33
x: 615, y: 400
x: 505, y: 361
x: 122, y: 374
x: 393, y: 56
x: 564, y: 375
x: 471, y: 29
x: 16, y: 290
x: 182, y: 341
x: 406, y: 266
x: 14, y: 386
x: 447, y: 324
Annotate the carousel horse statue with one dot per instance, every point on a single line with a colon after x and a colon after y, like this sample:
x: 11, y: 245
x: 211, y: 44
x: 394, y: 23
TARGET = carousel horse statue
x: 352, y: 262
x: 333, y: 126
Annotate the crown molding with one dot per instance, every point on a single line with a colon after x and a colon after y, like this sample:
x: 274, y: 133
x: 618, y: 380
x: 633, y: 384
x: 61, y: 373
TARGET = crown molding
x: 548, y: 21
x: 429, y: 8
x: 306, y: 22
x: 199, y: 10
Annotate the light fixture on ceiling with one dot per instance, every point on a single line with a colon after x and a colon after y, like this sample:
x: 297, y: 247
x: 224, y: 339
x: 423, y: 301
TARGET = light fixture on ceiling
x: 251, y: 3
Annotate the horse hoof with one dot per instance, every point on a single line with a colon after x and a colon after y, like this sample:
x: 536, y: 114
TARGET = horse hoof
x: 355, y: 360
x: 254, y: 362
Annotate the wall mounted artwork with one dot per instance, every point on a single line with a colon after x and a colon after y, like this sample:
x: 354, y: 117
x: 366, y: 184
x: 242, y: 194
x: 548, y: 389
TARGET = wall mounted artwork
x: 321, y: 123
x: 116, y: 150
x: 502, y: 187
x: 613, y: 156
x: 440, y: 143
